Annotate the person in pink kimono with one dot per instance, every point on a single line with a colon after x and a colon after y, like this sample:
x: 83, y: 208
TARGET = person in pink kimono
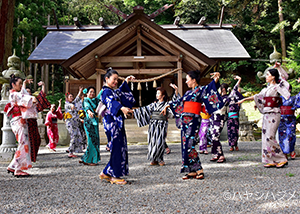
x: 268, y: 102
x: 51, y: 123
x: 17, y: 108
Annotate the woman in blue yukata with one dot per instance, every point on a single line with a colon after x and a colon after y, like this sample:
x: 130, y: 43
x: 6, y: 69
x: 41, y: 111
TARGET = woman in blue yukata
x: 287, y: 126
x: 187, y: 108
x: 91, y: 156
x: 118, y: 104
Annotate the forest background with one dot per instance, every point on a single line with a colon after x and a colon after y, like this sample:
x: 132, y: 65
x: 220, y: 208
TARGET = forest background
x: 259, y: 24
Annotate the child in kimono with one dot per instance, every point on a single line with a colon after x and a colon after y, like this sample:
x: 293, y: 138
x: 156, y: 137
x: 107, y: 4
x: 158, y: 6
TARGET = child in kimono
x: 51, y: 123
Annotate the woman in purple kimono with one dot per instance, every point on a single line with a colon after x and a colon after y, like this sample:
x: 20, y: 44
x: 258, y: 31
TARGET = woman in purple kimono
x: 268, y: 102
x: 287, y: 126
x: 118, y: 104
x: 233, y: 123
x: 187, y: 108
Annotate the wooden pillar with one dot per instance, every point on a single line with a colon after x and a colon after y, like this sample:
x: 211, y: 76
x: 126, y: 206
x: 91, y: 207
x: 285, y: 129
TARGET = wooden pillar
x: 35, y: 76
x: 179, y: 77
x: 43, y: 72
x: 67, y: 84
x: 46, y: 78
x: 98, y: 82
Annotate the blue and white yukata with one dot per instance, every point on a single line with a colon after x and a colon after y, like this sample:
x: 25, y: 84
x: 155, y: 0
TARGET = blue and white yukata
x: 114, y: 127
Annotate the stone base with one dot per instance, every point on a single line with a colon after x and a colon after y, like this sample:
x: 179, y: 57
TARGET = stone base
x: 6, y: 156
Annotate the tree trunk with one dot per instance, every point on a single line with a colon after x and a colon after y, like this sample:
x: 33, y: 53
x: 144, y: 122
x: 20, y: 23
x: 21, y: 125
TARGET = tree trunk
x: 282, y: 36
x: 7, y: 9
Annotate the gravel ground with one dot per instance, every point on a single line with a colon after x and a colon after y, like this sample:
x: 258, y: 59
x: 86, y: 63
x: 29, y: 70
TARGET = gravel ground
x: 241, y: 185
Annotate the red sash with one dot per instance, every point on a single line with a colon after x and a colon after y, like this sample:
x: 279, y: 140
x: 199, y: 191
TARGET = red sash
x: 193, y: 107
x: 287, y: 110
x: 272, y: 101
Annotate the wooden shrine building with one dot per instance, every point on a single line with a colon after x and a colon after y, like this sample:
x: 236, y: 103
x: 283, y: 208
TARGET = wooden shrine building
x: 138, y: 47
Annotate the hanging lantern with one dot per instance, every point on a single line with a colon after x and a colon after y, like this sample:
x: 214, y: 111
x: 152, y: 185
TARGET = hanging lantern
x: 147, y: 86
x: 139, y: 87
x: 154, y: 84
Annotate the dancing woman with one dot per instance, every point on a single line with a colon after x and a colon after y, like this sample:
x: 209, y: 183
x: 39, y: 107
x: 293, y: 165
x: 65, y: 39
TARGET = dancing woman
x: 51, y: 122
x: 91, y: 156
x: 233, y: 122
x: 118, y: 104
x: 74, y: 124
x: 17, y: 107
x: 31, y: 118
x: 158, y: 126
x: 205, y: 123
x: 188, y: 108
x: 287, y: 125
x: 268, y: 102
x: 218, y: 120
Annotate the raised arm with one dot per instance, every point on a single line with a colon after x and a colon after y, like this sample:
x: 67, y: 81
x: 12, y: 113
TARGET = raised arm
x: 245, y: 99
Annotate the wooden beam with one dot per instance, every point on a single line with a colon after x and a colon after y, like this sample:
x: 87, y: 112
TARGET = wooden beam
x: 139, y: 59
x: 123, y: 46
x: 139, y: 47
x: 98, y: 82
x: 139, y: 71
x: 156, y: 47
x: 179, y: 78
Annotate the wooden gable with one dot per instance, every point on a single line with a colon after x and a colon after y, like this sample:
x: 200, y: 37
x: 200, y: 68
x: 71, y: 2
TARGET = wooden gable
x: 138, y: 46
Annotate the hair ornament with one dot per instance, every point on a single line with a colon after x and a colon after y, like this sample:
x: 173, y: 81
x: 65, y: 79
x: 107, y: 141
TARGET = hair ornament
x: 84, y: 91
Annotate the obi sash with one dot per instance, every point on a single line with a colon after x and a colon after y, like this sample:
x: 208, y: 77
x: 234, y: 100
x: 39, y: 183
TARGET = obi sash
x: 157, y: 116
x: 287, y: 110
x: 233, y: 114
x: 54, y: 120
x: 192, y: 107
x: 272, y: 101
x: 205, y: 116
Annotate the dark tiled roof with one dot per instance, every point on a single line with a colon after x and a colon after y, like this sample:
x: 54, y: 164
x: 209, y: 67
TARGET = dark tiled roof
x: 214, y: 42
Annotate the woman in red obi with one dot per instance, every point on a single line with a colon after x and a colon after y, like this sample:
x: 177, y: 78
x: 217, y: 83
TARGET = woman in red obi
x: 268, y: 102
x: 17, y: 107
x: 186, y: 110
x: 51, y: 123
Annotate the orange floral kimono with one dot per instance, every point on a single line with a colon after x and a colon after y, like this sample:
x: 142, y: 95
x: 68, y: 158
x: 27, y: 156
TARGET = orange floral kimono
x: 17, y: 107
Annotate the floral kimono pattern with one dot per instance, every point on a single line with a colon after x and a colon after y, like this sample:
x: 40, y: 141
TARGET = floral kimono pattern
x: 19, y: 103
x: 74, y: 126
x: 271, y: 151
x: 157, y: 131
x: 218, y: 120
x: 91, y: 126
x: 52, y: 130
x: 205, y: 123
x: 113, y: 121
x: 233, y: 122
x: 34, y: 135
x: 287, y: 125
x: 190, y: 123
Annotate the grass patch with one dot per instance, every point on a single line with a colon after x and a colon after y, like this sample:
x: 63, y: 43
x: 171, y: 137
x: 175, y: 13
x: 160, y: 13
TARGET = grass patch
x: 289, y: 174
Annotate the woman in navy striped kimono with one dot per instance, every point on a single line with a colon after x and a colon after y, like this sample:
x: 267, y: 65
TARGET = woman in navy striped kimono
x: 118, y: 104
x: 158, y: 126
x: 187, y: 108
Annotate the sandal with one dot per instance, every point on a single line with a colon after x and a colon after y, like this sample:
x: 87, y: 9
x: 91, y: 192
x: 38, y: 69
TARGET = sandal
x: 293, y: 155
x: 153, y: 163
x: 214, y: 158
x: 188, y: 176
x: 269, y: 165
x: 200, y: 176
x: 118, y: 181
x: 72, y: 156
x: 168, y: 150
x: 231, y: 149
x: 206, y: 152
x: 201, y: 152
x: 9, y: 170
x: 21, y: 174
x: 237, y: 148
x: 281, y: 164
x: 90, y: 164
x: 105, y: 177
x: 162, y: 163
x: 222, y: 159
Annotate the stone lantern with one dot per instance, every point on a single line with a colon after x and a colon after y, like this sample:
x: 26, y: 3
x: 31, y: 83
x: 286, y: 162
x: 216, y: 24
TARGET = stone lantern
x: 275, y: 57
x: 8, y: 146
